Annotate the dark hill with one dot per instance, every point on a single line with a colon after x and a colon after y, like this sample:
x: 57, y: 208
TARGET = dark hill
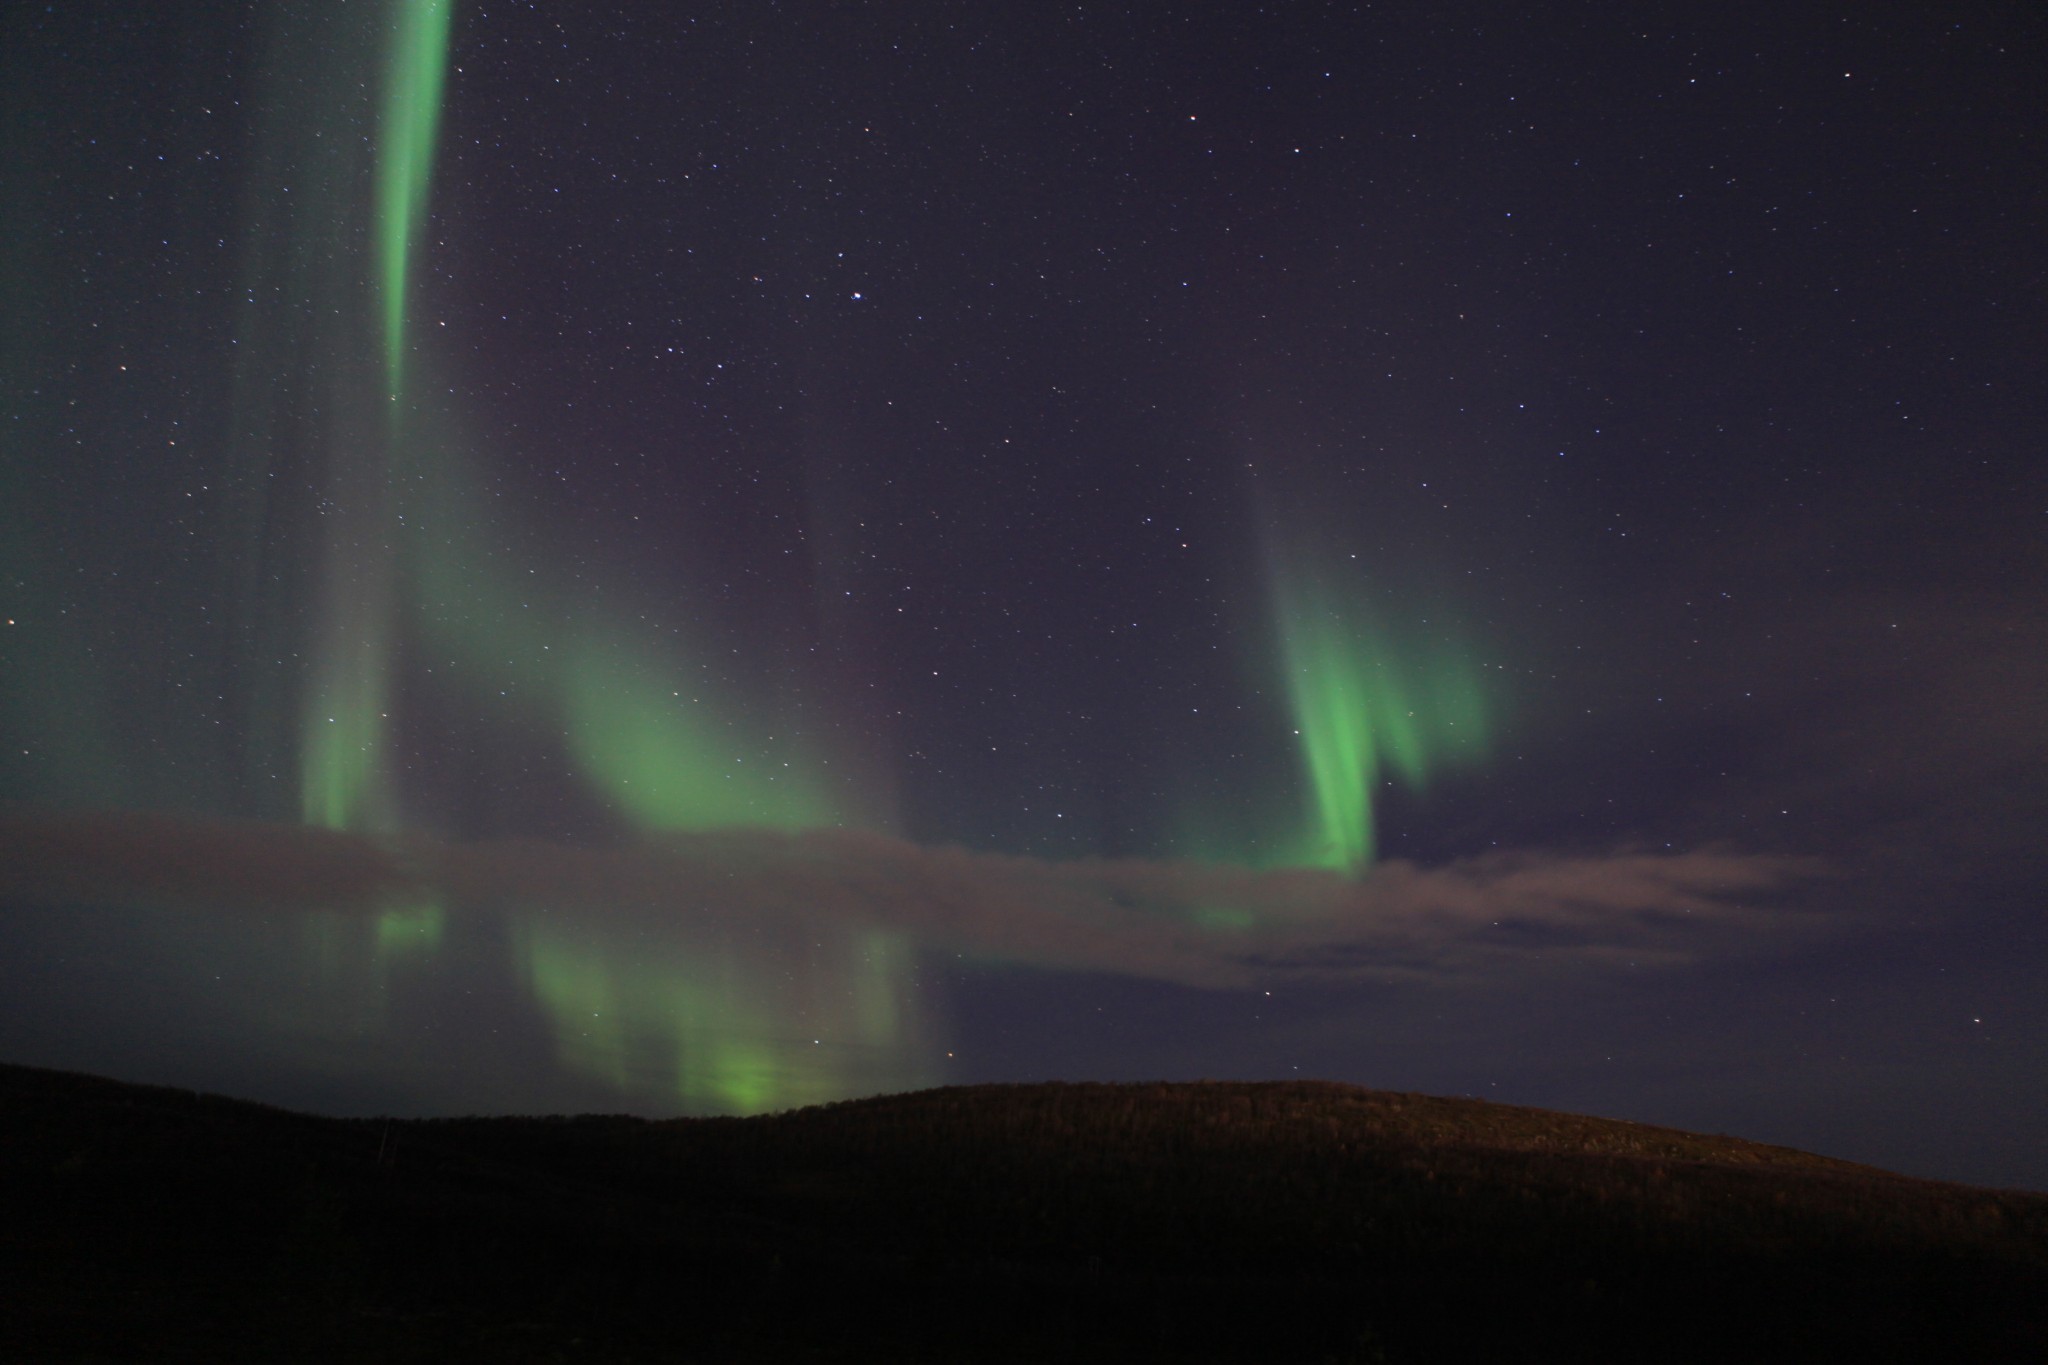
x: 1268, y: 1222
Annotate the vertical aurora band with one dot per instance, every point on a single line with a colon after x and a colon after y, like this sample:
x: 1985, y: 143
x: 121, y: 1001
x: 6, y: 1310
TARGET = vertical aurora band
x: 415, y: 72
x: 343, y: 756
x: 1367, y: 706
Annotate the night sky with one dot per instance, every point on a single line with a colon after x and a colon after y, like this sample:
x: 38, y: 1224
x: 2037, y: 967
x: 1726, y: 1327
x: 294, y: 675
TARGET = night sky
x: 707, y: 558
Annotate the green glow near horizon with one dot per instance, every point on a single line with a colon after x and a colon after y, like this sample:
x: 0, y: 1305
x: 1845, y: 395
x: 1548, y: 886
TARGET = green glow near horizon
x: 1223, y: 918
x: 415, y: 71
x: 364, y: 962
x: 1366, y: 705
x: 691, y: 1023
x: 411, y: 928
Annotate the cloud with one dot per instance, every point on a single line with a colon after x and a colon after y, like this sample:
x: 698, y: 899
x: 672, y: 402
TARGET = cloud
x: 1198, y: 924
x: 191, y: 863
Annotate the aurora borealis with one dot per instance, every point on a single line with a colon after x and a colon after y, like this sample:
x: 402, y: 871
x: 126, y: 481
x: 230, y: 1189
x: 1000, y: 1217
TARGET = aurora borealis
x: 557, y: 558
x: 1362, y: 706
x: 415, y: 71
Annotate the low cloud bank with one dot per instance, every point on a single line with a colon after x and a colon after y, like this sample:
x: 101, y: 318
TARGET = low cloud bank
x: 1198, y: 924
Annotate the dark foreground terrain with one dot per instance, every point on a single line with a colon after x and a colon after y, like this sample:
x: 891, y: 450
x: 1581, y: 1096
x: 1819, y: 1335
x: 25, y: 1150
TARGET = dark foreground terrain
x: 1281, y: 1222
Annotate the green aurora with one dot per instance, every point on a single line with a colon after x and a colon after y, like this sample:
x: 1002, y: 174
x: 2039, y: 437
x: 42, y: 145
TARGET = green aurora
x: 686, y: 1019
x: 345, y: 776
x: 408, y: 554
x: 376, y: 581
x: 416, y: 71
x: 1369, y: 707
x: 653, y: 736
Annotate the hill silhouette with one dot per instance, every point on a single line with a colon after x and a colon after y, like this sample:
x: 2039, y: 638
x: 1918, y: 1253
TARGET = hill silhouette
x: 1210, y: 1221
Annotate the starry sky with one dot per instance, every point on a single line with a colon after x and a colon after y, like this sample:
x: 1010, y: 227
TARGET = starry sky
x: 707, y: 558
